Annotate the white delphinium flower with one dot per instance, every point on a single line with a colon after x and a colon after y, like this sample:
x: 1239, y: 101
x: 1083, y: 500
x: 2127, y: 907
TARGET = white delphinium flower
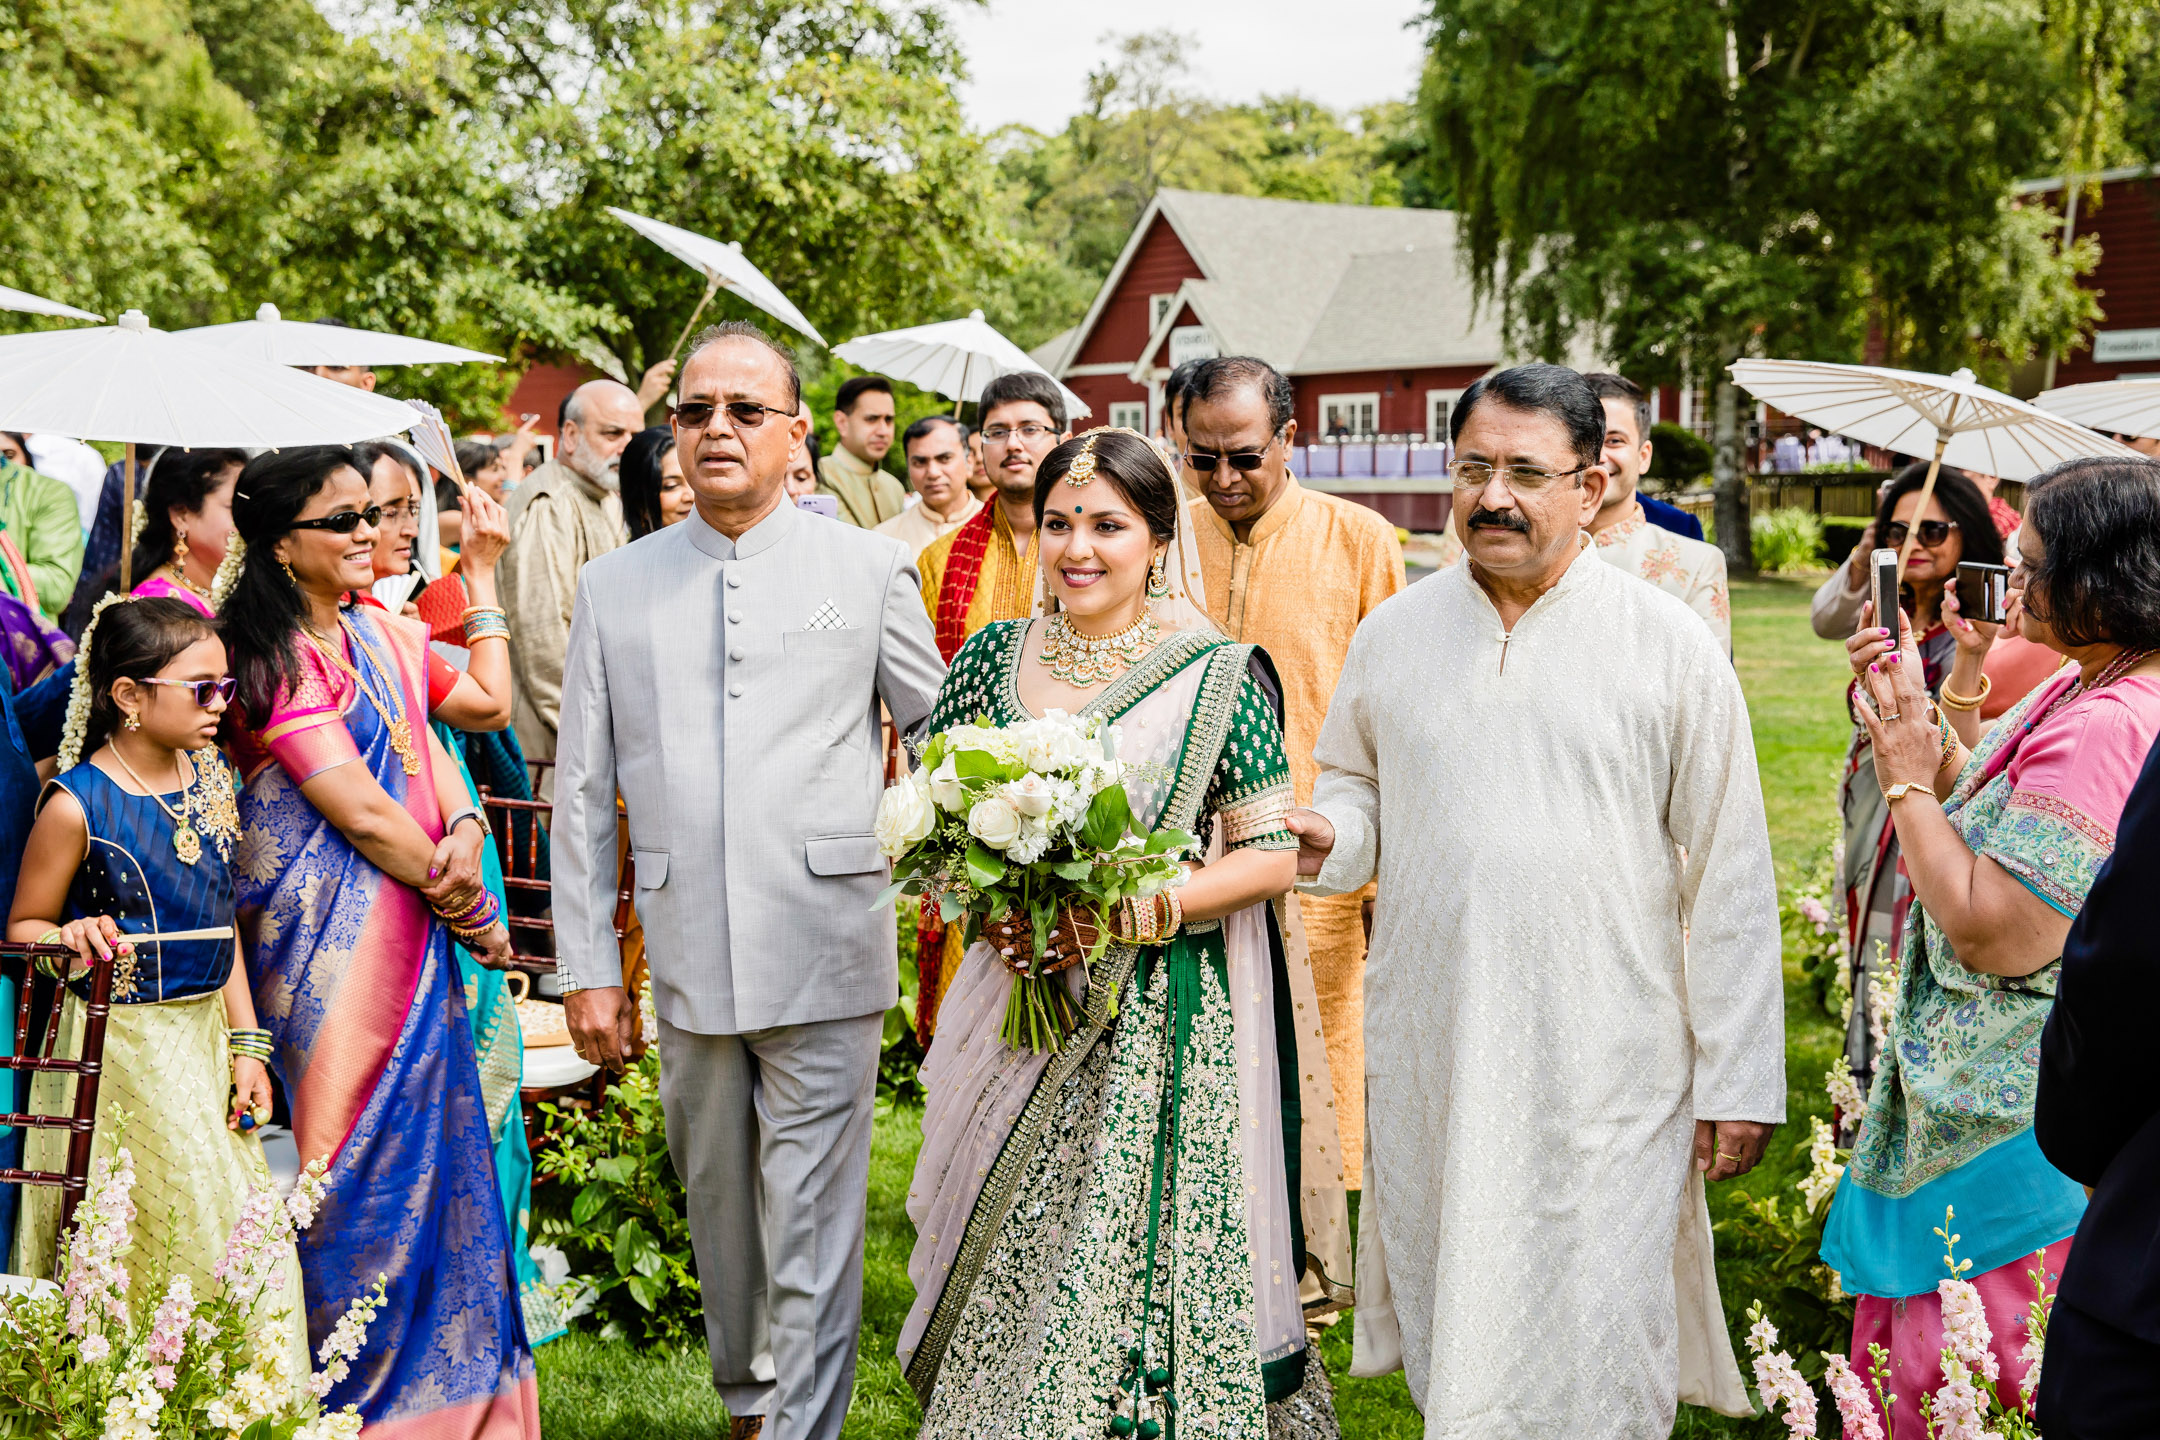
x: 344, y: 1342
x: 1844, y: 1091
x: 94, y: 1281
x: 1824, y: 1171
x: 1029, y: 844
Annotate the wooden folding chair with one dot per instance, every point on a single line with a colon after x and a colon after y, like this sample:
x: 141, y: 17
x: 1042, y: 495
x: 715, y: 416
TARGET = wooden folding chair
x: 38, y: 993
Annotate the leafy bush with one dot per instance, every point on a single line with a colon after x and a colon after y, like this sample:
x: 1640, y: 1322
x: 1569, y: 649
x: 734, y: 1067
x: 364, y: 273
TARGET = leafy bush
x: 606, y: 1193
x: 1837, y: 467
x: 1815, y: 933
x: 1788, y: 539
x: 1677, y: 454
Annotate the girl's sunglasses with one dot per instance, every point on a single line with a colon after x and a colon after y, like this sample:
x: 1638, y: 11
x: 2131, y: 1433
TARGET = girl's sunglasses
x: 1932, y: 532
x: 205, y: 690
x: 342, y: 523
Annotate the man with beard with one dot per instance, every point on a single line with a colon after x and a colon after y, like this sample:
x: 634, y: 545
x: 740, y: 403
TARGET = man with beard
x: 1640, y: 543
x: 1295, y: 571
x: 981, y: 572
x: 567, y: 512
x: 1574, y: 1000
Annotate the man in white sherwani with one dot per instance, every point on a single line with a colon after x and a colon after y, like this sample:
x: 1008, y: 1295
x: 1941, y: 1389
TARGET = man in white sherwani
x: 1574, y: 1011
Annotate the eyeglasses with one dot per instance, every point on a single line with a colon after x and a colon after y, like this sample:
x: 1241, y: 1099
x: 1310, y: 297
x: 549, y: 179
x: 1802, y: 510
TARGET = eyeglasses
x: 999, y: 434
x: 1475, y: 475
x: 205, y: 690
x: 742, y: 414
x: 1932, y: 532
x: 401, y: 510
x: 342, y: 523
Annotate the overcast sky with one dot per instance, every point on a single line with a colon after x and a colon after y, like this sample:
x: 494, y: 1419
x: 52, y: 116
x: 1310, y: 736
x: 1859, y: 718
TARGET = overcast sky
x: 1028, y: 59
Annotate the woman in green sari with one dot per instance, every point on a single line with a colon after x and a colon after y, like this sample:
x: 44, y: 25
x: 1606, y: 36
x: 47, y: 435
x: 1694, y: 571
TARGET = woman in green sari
x: 1105, y: 1243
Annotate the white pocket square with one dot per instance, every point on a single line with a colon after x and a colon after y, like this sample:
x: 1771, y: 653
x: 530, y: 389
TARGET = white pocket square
x: 826, y: 618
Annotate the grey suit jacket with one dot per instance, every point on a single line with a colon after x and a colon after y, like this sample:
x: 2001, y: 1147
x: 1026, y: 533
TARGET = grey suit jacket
x: 730, y: 693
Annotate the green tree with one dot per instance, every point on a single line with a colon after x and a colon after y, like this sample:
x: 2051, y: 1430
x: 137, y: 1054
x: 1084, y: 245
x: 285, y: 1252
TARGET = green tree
x: 1693, y: 183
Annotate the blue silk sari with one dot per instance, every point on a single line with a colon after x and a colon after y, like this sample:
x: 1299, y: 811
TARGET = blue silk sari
x: 356, y: 979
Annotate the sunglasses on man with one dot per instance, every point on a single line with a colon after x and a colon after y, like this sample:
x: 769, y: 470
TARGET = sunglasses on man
x: 205, y: 690
x: 742, y: 414
x: 344, y: 522
x: 1242, y: 461
x: 1932, y: 532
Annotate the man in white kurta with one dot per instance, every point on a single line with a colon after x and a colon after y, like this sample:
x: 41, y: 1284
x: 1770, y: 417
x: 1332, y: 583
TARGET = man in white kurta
x: 1626, y: 537
x: 1574, y: 994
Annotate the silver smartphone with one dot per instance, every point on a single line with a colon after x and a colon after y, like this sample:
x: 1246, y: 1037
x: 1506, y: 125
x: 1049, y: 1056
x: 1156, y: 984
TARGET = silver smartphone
x: 1884, y: 565
x: 826, y: 505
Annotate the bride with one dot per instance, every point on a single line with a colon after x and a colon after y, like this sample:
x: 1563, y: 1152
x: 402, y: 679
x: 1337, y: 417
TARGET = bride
x: 1104, y: 1242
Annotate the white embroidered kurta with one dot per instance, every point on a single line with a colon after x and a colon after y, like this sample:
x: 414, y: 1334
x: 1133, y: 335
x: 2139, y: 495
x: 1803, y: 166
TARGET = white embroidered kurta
x: 1693, y: 570
x: 1553, y: 996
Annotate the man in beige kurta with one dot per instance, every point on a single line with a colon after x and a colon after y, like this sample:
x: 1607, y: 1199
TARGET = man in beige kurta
x: 938, y: 464
x: 1293, y: 571
x: 863, y: 419
x: 567, y: 512
x: 1689, y: 569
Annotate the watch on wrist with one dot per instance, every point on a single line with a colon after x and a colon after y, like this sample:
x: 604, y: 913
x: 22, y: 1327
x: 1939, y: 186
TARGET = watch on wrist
x: 1903, y: 788
x: 471, y: 812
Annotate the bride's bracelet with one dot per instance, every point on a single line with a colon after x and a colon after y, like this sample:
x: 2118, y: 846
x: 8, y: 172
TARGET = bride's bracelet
x: 1150, y: 919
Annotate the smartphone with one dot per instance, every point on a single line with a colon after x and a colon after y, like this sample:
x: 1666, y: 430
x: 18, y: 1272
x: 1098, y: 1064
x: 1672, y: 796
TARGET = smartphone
x: 1884, y: 564
x: 1983, y: 592
x: 826, y: 505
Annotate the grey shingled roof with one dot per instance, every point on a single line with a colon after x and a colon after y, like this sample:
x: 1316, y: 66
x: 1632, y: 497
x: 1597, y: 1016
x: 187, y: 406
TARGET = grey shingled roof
x: 1317, y: 288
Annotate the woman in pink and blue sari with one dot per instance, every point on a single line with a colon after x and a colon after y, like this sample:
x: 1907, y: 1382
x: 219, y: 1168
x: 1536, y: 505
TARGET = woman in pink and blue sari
x: 359, y: 863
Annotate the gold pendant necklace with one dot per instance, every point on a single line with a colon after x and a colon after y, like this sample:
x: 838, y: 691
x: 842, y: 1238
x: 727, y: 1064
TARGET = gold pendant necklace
x: 181, y: 576
x: 186, y: 843
x: 393, y: 715
x: 1083, y: 660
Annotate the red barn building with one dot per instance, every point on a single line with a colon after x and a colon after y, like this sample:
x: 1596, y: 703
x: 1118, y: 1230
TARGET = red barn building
x: 1367, y: 309
x: 2126, y: 221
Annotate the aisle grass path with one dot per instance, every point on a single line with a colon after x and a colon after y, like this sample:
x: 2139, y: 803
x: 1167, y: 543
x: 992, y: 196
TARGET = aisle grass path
x: 595, y: 1391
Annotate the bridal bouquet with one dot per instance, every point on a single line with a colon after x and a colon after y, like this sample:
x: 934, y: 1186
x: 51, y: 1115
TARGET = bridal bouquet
x: 1024, y: 822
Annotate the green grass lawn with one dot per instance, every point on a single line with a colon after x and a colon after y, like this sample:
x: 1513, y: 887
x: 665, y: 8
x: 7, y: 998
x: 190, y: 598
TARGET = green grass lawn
x: 595, y: 1391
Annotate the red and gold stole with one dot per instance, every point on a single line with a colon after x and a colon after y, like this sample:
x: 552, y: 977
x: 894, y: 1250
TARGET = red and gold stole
x: 963, y: 572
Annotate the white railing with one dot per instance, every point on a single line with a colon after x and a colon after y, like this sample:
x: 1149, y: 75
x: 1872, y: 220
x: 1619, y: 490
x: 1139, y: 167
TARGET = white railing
x: 1375, y: 457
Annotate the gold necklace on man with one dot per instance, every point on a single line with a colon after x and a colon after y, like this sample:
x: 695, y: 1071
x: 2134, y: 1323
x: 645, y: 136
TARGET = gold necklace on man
x: 1084, y: 660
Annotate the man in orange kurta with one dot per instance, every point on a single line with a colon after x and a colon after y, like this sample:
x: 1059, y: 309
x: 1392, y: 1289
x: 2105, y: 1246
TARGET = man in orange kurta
x: 1293, y: 571
x: 985, y: 571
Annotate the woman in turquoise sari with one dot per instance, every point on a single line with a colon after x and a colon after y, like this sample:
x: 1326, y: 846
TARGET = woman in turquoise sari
x: 359, y: 861
x: 1105, y: 1235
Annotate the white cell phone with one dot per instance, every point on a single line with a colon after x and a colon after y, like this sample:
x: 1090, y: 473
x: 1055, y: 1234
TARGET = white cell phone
x: 826, y: 505
x: 1884, y: 564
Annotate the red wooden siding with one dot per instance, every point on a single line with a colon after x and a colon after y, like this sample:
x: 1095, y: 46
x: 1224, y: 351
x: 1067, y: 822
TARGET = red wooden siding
x: 1402, y: 394
x: 2127, y: 224
x: 1158, y: 267
x: 1100, y: 390
x: 541, y: 391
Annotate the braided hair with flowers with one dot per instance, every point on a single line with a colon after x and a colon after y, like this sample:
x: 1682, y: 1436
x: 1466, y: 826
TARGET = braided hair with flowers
x: 75, y: 730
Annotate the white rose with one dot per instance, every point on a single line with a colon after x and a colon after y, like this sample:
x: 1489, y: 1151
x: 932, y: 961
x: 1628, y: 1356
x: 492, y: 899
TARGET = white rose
x: 904, y: 817
x: 1030, y: 795
x: 994, y: 821
x: 946, y: 789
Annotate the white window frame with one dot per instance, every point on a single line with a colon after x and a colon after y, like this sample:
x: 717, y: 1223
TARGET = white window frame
x: 1157, y: 307
x: 1130, y: 413
x: 1439, y: 404
x: 1350, y: 401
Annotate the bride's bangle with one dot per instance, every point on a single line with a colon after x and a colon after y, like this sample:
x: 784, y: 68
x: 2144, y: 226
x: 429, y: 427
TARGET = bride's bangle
x: 1955, y: 701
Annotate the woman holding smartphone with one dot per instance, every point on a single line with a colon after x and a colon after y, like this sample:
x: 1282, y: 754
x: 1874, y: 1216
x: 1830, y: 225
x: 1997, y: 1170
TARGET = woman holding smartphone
x: 2001, y: 843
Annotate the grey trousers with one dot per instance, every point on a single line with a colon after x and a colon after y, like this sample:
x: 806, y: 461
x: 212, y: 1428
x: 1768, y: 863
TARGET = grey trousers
x: 770, y: 1132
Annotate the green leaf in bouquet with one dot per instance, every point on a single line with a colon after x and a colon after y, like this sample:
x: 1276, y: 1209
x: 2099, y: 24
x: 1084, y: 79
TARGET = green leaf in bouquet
x: 1075, y: 870
x: 950, y: 907
x: 985, y: 866
x: 889, y: 894
x: 261, y: 1430
x: 1167, y: 840
x: 1108, y: 818
x: 934, y: 751
x: 977, y: 765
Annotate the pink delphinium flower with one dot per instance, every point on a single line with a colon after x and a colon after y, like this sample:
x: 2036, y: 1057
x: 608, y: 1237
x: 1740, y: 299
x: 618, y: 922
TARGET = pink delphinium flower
x: 1814, y: 912
x: 1965, y: 1329
x: 95, y: 1283
x: 306, y: 1197
x: 1778, y: 1379
x: 168, y: 1332
x: 1854, y: 1406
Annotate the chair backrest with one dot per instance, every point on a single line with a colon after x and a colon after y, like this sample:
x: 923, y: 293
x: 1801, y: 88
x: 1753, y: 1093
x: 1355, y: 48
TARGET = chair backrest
x: 520, y: 829
x: 38, y: 999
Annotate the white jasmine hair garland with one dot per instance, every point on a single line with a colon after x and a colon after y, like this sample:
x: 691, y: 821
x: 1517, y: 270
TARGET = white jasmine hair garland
x: 78, y: 707
x: 228, y: 570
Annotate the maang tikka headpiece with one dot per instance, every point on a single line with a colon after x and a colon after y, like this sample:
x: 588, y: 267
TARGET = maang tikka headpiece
x: 1083, y: 466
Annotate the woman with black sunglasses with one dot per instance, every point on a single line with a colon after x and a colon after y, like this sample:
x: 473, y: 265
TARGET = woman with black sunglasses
x: 1955, y: 527
x: 360, y: 862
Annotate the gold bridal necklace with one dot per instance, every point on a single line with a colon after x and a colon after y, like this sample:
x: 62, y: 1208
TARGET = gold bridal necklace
x: 1083, y: 660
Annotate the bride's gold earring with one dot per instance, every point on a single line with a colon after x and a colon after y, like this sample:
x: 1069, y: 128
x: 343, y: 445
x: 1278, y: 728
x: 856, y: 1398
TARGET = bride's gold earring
x: 179, y: 550
x: 1158, y: 583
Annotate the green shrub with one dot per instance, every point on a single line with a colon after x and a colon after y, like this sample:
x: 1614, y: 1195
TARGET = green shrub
x: 606, y: 1193
x: 1788, y: 539
x: 1677, y: 454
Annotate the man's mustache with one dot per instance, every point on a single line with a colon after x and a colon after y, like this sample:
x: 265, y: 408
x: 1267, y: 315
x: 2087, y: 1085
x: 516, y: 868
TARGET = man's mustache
x: 1500, y: 520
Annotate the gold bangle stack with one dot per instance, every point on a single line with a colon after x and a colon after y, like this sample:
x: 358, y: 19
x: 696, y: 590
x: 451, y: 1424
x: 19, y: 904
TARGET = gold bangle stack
x: 1950, y: 741
x: 1955, y: 701
x: 485, y: 622
x: 1150, y: 919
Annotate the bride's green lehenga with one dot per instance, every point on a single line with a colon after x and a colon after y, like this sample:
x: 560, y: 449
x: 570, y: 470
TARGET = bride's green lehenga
x: 1133, y: 1192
